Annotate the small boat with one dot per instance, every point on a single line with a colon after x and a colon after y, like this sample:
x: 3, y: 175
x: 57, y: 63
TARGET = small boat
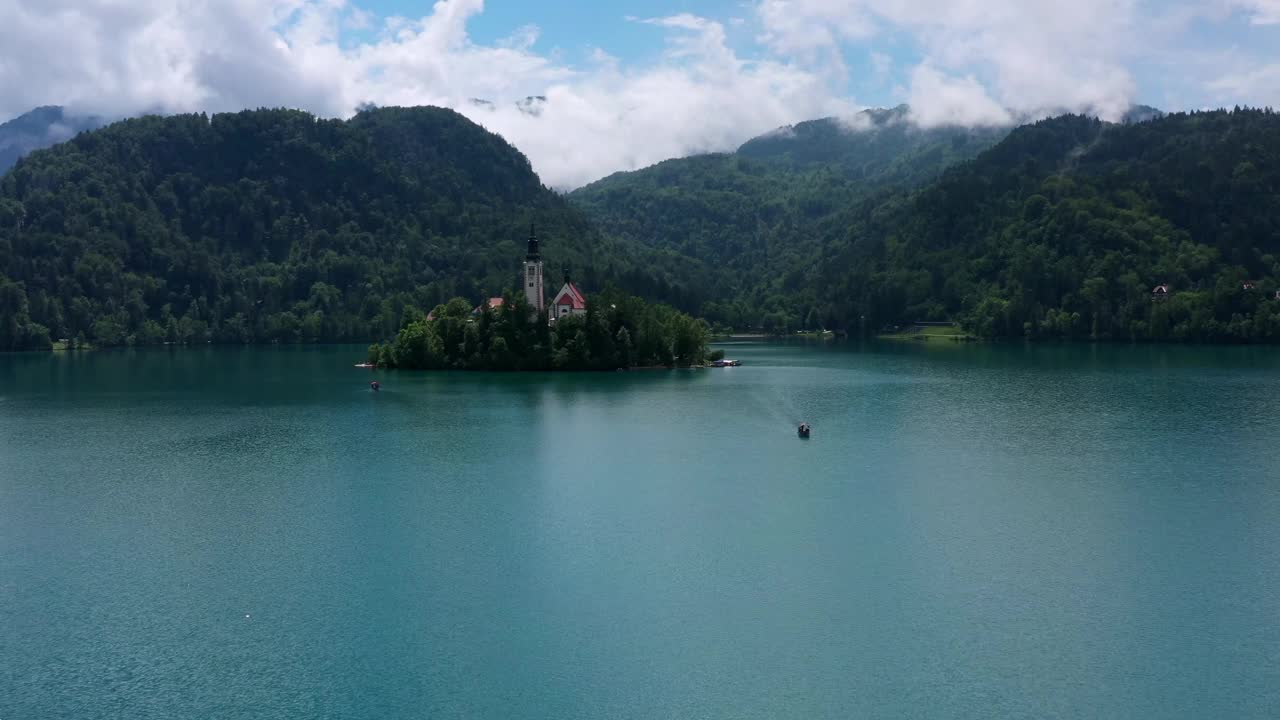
x: 803, y: 431
x: 366, y: 366
x: 374, y: 386
x: 725, y: 363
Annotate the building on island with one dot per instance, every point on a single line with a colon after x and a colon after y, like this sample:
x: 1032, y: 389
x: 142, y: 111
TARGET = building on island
x: 533, y: 290
x: 569, y: 301
x: 493, y: 304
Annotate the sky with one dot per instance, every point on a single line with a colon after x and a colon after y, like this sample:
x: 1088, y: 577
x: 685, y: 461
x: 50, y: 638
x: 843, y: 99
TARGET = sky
x: 632, y: 82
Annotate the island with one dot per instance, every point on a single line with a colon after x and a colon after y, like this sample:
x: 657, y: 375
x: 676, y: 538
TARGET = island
x: 521, y: 331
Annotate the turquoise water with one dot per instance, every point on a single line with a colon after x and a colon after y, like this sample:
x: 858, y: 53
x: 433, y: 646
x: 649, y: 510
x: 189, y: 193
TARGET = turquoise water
x: 972, y: 532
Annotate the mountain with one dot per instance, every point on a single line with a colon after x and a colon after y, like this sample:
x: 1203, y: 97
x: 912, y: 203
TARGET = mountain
x: 877, y: 146
x: 1142, y: 113
x: 40, y: 128
x: 271, y: 225
x: 1064, y: 229
x: 1061, y: 228
x: 735, y: 227
x: 276, y: 226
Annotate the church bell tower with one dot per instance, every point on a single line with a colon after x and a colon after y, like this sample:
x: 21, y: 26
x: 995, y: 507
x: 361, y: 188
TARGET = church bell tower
x: 533, y: 276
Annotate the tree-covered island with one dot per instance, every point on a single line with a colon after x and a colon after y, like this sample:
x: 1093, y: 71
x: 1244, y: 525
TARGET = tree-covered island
x: 522, y: 331
x: 507, y: 333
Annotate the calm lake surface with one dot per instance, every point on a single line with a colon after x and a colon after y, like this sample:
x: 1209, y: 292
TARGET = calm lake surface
x: 972, y: 532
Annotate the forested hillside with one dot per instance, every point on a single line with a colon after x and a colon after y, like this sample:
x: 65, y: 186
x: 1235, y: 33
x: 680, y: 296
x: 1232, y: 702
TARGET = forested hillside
x: 736, y: 229
x: 1065, y: 228
x: 272, y: 226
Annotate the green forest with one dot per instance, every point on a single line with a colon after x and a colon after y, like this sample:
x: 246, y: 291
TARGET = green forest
x: 274, y: 226
x: 1062, y: 229
x: 617, y: 332
x: 1065, y: 228
x: 740, y: 230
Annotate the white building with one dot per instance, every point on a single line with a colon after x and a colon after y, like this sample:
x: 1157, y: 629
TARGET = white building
x: 569, y: 301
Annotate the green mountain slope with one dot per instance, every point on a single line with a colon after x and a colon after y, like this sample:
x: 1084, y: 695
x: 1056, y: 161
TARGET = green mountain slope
x: 736, y: 229
x: 877, y: 147
x: 1064, y: 229
x: 269, y: 226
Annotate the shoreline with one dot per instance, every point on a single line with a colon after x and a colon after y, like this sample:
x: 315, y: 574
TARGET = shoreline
x: 960, y: 338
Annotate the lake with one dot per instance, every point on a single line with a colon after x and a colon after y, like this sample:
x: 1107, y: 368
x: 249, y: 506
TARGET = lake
x: 972, y: 532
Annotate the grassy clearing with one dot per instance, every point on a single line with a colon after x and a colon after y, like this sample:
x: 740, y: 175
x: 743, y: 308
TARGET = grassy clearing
x: 926, y: 334
x: 63, y: 346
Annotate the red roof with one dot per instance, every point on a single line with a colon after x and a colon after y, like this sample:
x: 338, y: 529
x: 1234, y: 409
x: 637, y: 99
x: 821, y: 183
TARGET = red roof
x: 570, y: 295
x: 493, y: 304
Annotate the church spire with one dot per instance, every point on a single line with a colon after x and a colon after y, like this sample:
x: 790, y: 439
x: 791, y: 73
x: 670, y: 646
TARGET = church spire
x: 534, y: 255
x: 532, y: 280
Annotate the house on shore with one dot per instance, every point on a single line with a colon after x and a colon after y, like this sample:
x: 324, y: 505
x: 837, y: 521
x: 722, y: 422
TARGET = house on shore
x: 1160, y: 293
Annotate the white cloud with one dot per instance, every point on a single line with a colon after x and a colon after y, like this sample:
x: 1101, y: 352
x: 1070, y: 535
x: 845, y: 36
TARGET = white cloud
x: 1260, y: 82
x: 611, y: 119
x: 965, y: 61
x: 938, y: 99
x: 812, y: 30
x: 1261, y: 12
x: 1027, y: 55
x: 216, y: 55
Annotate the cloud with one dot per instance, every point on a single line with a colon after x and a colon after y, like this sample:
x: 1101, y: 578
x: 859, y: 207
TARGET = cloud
x: 813, y: 30
x: 1028, y: 56
x: 218, y: 55
x: 939, y: 99
x: 1261, y: 12
x: 715, y: 85
x: 702, y: 98
x: 1260, y: 82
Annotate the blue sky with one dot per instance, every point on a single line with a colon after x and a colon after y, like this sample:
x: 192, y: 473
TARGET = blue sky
x: 575, y: 26
x: 571, y: 29
x: 632, y: 83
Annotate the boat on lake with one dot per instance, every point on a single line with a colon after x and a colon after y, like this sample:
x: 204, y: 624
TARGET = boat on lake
x: 366, y: 366
x: 803, y: 431
x: 725, y: 363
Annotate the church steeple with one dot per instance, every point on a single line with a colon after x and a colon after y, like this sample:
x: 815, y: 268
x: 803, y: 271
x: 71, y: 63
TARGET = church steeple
x: 533, y: 275
x: 533, y: 255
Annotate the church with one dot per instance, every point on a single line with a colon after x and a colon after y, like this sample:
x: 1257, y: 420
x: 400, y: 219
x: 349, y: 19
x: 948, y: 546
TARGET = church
x: 569, y: 301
